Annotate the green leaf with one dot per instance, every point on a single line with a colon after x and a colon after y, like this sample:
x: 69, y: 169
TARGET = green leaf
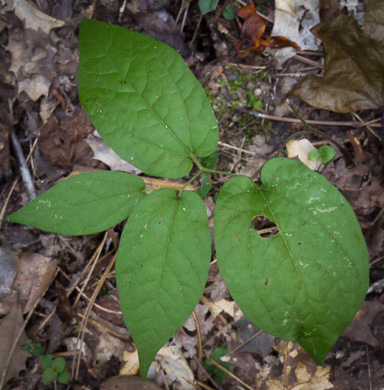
x: 49, y: 375
x: 83, y: 204
x: 229, y: 13
x: 314, y: 154
x: 162, y: 267
x: 354, y: 64
x: 143, y: 99
x: 307, y: 282
x: 216, y: 373
x: 327, y: 153
x: 206, y: 185
x: 46, y: 361
x: 63, y: 377
x: 58, y: 364
x: 206, y: 6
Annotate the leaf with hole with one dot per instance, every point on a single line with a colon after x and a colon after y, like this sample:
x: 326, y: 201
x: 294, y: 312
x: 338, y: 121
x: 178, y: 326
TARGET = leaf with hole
x: 162, y: 266
x: 83, y: 204
x: 143, y: 99
x: 307, y: 282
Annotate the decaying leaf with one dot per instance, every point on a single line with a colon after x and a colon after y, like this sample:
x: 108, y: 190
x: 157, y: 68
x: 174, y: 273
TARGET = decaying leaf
x: 176, y: 369
x: 10, y: 326
x: 106, y: 155
x: 125, y: 382
x: 300, y: 371
x: 294, y: 19
x: 301, y: 149
x: 130, y: 364
x: 35, y: 19
x: 253, y: 30
x: 354, y: 64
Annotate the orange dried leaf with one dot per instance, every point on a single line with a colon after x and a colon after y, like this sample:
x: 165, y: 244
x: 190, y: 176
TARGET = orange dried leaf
x: 253, y: 30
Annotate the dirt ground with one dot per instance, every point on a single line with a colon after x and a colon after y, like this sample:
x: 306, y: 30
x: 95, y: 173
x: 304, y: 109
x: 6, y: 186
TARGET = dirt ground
x: 63, y: 288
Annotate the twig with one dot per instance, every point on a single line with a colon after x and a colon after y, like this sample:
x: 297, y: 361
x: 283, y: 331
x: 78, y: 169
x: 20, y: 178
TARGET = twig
x: 369, y: 367
x: 236, y: 148
x: 376, y: 261
x: 313, y: 122
x: 196, y: 30
x: 246, y: 341
x: 369, y: 128
x: 308, y: 61
x: 198, y: 336
x: 26, y: 176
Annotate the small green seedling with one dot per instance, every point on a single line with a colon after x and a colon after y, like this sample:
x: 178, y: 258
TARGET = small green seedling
x: 217, y: 374
x: 325, y: 154
x: 305, y: 283
x: 206, y: 6
x: 53, y: 368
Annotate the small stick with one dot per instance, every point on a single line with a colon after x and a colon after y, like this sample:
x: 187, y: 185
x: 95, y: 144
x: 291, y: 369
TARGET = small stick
x: 313, y: 122
x: 198, y: 336
x: 26, y: 176
x: 206, y: 372
x: 236, y: 148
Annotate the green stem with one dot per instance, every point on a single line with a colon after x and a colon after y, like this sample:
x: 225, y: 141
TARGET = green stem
x: 196, y: 161
x: 218, y: 172
x: 190, y: 181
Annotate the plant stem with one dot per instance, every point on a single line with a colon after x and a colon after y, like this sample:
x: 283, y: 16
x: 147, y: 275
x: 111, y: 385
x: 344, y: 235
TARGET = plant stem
x: 190, y: 181
x: 196, y: 161
x: 218, y: 172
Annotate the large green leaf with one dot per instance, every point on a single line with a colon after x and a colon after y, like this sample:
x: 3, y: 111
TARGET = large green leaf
x: 143, y: 99
x: 307, y: 282
x: 83, y: 204
x: 354, y: 64
x: 162, y: 267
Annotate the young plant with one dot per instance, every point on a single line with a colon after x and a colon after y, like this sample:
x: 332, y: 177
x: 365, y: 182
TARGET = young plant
x: 206, y: 6
x: 306, y: 283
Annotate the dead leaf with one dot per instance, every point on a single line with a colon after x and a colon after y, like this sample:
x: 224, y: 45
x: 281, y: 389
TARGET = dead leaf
x: 35, y: 19
x: 106, y: 155
x: 34, y: 275
x: 206, y: 324
x: 301, y: 149
x: 10, y: 326
x: 252, y: 339
x: 360, y: 329
x: 130, y: 363
x: 125, y: 382
x: 8, y: 268
x: 294, y: 19
x: 253, y: 31
x: 177, y: 372
x: 300, y: 370
x: 354, y: 65
x: 63, y: 142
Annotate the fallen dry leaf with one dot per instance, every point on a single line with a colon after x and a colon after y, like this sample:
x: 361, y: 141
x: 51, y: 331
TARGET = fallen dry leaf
x: 130, y: 363
x: 33, y: 18
x: 34, y: 274
x: 300, y: 149
x: 10, y: 326
x: 300, y: 371
x: 253, y: 31
x: 354, y: 64
x: 360, y: 329
x: 125, y: 382
x: 177, y: 372
x: 294, y: 19
x: 206, y: 324
x: 106, y: 155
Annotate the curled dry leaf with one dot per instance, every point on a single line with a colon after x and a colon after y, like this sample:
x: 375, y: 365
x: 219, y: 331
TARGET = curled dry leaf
x: 301, y: 149
x: 130, y: 364
x: 354, y: 64
x: 253, y: 30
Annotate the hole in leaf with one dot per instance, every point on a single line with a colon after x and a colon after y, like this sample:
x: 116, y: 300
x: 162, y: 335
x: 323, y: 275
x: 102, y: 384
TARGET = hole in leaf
x: 264, y: 226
